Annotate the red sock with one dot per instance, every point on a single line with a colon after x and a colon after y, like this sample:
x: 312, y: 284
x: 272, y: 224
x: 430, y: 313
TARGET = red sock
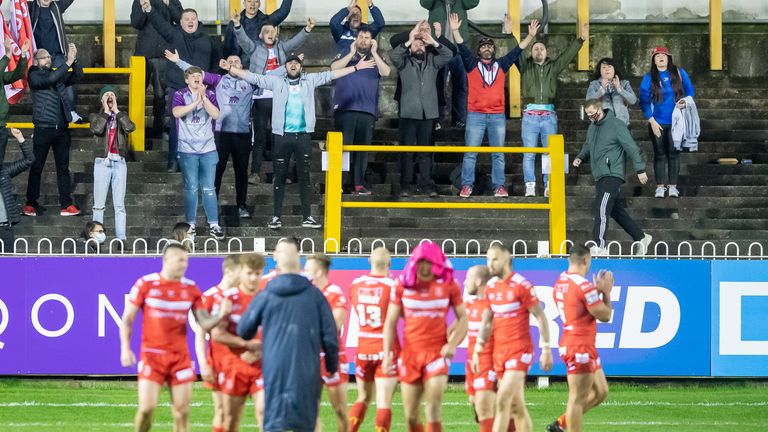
x: 435, y: 427
x: 486, y: 425
x: 561, y: 422
x: 217, y: 429
x: 417, y: 428
x: 357, y: 415
x: 511, y: 425
x: 383, y: 419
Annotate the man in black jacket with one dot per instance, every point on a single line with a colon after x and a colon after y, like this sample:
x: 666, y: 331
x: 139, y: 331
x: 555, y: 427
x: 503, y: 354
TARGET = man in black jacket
x: 152, y: 46
x: 9, y: 207
x: 252, y: 19
x: 48, y: 30
x: 194, y: 47
x: 297, y: 323
x: 51, y: 119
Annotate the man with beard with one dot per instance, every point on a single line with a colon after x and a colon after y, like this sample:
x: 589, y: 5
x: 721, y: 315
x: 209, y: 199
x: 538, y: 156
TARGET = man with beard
x: 194, y: 47
x: 348, y: 22
x: 252, y: 20
x: 356, y: 101
x: 418, y: 102
x: 486, y: 76
x: 293, y: 120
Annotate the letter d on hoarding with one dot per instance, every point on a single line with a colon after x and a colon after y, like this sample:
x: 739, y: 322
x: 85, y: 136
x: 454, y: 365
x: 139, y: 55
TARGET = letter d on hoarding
x: 632, y: 335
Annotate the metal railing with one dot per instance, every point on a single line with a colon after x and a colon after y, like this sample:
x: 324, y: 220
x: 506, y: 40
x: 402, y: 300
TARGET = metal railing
x: 334, y: 203
x: 136, y: 100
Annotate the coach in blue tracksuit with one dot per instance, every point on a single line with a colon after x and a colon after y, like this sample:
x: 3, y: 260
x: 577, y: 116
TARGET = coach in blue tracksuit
x: 297, y: 323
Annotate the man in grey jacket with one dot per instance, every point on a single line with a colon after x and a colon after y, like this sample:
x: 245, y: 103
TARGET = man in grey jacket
x: 418, y: 70
x: 264, y: 55
x: 293, y: 120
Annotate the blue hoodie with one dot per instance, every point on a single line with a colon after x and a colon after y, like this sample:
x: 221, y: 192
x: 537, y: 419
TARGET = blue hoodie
x: 297, y: 323
x: 662, y: 111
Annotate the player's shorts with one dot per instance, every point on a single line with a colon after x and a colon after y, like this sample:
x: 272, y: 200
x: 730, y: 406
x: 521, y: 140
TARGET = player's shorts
x: 580, y: 359
x: 417, y: 367
x: 338, y: 378
x: 368, y: 367
x: 240, y: 379
x: 218, y: 375
x: 485, y: 380
x: 168, y: 367
x: 519, y: 359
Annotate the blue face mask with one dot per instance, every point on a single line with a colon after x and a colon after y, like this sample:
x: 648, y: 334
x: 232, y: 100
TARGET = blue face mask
x: 100, y: 238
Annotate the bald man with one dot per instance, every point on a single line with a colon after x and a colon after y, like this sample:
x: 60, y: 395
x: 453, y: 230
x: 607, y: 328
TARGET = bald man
x: 370, y: 296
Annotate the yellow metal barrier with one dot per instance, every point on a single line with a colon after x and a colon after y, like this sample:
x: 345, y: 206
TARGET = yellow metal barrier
x: 109, y: 33
x: 583, y: 18
x: 515, y: 105
x: 334, y: 203
x: 136, y: 100
x: 716, y: 34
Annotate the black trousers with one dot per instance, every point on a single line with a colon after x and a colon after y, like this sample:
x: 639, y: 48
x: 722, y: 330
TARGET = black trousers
x: 238, y: 145
x: 416, y: 132
x: 610, y: 204
x: 262, y: 132
x: 3, y: 143
x: 43, y: 140
x: 357, y: 128
x: 6, y: 235
x: 155, y: 74
x: 666, y: 159
x: 298, y: 146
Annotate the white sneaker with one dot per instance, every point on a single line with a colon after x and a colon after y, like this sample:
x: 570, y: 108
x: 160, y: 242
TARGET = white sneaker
x: 596, y: 251
x: 546, y: 191
x: 660, y: 190
x: 530, y: 189
x: 673, y: 192
x: 642, y: 248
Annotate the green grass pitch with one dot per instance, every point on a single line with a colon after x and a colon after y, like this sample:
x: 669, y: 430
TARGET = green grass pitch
x: 69, y: 405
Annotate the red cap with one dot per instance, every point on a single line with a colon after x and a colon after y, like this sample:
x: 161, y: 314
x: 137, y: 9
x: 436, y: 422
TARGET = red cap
x: 660, y: 50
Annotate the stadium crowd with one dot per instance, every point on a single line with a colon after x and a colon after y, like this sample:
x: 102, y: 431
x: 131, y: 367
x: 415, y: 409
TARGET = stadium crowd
x: 250, y: 99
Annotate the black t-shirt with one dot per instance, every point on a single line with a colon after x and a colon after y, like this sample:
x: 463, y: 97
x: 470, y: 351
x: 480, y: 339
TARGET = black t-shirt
x: 46, y: 36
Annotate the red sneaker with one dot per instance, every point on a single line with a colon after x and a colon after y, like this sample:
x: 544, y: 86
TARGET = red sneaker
x: 70, y: 211
x: 29, y: 210
x: 501, y: 192
x: 466, y: 191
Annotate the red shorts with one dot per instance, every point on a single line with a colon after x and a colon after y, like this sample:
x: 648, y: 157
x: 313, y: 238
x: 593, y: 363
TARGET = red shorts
x: 485, y: 380
x: 338, y: 378
x: 417, y: 367
x: 368, y: 367
x: 240, y: 379
x: 168, y: 367
x: 512, y: 360
x: 218, y: 375
x: 580, y: 359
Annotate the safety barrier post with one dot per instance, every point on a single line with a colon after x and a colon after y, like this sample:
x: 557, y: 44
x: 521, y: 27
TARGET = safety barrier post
x: 716, y: 34
x: 270, y: 6
x: 363, y: 5
x: 234, y: 5
x: 515, y: 108
x: 557, y: 219
x: 137, y: 101
x: 583, y: 18
x: 332, y: 230
x: 109, y: 33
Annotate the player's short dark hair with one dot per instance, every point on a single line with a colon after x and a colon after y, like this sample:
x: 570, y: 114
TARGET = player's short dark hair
x: 291, y: 240
x: 322, y: 259
x: 187, y: 10
x: 499, y: 246
x: 253, y: 261
x: 578, y: 254
x: 229, y: 262
x: 173, y: 246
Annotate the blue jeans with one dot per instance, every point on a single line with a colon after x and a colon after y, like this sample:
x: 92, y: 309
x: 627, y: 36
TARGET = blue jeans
x: 199, y: 172
x: 477, y: 124
x: 533, y: 126
x: 108, y: 172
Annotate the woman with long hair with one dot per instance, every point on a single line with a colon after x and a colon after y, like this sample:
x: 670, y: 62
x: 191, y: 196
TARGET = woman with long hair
x: 608, y: 87
x: 663, y: 89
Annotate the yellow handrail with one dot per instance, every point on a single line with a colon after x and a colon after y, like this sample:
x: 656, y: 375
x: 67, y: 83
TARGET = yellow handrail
x: 109, y: 33
x: 334, y: 203
x: 716, y: 34
x: 136, y: 100
x: 515, y: 104
x: 583, y: 18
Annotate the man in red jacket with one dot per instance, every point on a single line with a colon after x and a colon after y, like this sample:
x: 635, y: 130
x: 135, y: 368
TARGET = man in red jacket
x: 486, y: 76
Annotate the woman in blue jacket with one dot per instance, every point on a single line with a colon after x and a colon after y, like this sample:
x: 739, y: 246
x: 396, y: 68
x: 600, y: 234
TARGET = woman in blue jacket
x: 662, y: 89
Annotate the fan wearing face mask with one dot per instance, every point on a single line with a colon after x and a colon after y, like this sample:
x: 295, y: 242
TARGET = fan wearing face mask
x: 92, y: 239
x: 608, y: 144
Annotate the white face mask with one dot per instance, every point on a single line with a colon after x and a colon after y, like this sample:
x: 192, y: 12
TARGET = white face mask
x: 101, y: 238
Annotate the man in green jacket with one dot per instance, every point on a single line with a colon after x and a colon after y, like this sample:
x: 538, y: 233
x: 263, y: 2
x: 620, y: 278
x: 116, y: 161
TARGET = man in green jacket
x: 608, y: 143
x: 439, y: 11
x: 538, y: 76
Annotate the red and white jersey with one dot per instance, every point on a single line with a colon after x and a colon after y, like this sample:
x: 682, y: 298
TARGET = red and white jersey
x: 165, y: 305
x: 510, y: 300
x: 475, y: 308
x: 574, y: 295
x: 425, y: 309
x: 240, y: 302
x: 266, y: 278
x: 337, y: 300
x: 370, y: 296
x: 211, y: 297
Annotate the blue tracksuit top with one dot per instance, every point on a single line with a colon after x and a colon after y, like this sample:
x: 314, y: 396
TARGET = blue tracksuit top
x: 662, y: 111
